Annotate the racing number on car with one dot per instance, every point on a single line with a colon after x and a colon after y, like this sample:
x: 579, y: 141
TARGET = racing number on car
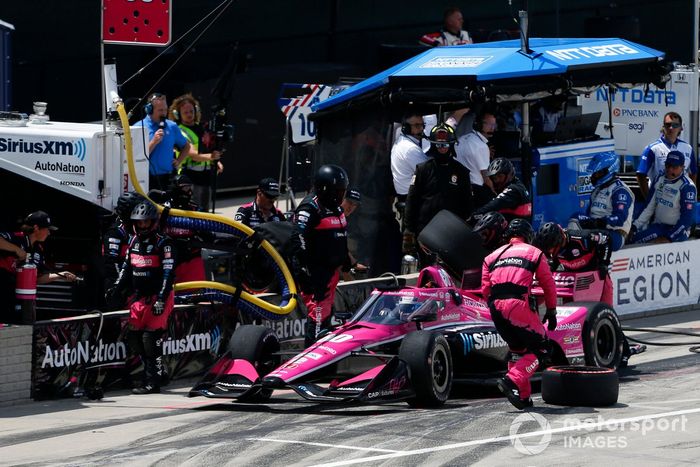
x: 336, y: 339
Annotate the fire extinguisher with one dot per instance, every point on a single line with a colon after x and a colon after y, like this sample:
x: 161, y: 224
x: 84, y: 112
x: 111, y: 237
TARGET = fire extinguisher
x: 25, y: 291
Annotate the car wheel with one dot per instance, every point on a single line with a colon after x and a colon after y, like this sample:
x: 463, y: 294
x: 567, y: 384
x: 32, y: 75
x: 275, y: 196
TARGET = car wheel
x: 602, y: 337
x: 258, y: 345
x: 580, y: 386
x: 429, y: 361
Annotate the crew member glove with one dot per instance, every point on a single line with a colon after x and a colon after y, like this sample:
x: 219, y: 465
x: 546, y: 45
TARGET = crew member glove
x: 551, y: 318
x: 159, y: 307
x: 633, y: 232
x: 409, y: 243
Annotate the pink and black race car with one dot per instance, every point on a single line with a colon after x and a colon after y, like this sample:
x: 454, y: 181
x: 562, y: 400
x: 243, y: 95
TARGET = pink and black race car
x: 412, y: 343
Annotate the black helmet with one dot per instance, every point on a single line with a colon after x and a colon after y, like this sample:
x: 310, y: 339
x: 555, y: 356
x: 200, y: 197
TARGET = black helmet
x: 550, y: 237
x: 501, y: 165
x: 520, y: 228
x: 126, y: 203
x: 442, y: 133
x: 330, y: 184
x: 145, y: 211
x: 491, y: 228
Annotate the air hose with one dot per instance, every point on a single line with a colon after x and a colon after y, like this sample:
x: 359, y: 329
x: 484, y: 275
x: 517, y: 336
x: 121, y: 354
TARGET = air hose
x: 216, y: 223
x: 695, y: 346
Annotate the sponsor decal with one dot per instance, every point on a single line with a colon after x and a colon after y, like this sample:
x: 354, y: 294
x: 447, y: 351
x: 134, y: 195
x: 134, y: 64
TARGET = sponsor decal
x: 60, y: 167
x: 287, y: 328
x: 637, y: 96
x: 637, y: 127
x: 598, y: 51
x: 75, y: 148
x: 571, y: 339
x: 348, y: 388
x: 83, y: 352
x: 450, y: 317
x: 325, y: 348
x: 456, y: 62
x: 189, y: 343
x: 71, y: 183
x: 488, y: 340
x: 652, y: 261
x: 568, y: 326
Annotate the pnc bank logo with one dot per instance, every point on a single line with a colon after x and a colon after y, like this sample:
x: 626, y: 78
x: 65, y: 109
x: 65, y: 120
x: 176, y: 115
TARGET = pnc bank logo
x: 76, y: 148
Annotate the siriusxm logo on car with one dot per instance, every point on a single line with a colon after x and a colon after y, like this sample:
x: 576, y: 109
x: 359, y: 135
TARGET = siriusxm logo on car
x: 75, y: 148
x: 482, y: 341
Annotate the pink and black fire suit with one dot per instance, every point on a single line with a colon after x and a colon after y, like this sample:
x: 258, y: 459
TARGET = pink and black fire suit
x: 320, y: 243
x: 507, y: 277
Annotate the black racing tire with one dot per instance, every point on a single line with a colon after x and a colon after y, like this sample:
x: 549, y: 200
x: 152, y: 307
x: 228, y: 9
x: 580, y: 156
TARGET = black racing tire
x: 580, y: 386
x: 429, y: 361
x: 603, y: 340
x: 258, y: 345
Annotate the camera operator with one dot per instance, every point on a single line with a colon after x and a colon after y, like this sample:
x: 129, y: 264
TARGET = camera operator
x: 185, y: 111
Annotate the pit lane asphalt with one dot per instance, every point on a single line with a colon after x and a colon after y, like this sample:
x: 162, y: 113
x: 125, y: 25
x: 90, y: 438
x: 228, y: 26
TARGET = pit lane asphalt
x: 658, y: 395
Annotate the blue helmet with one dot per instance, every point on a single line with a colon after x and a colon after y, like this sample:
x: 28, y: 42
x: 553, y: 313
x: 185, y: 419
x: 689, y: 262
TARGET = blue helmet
x: 608, y: 163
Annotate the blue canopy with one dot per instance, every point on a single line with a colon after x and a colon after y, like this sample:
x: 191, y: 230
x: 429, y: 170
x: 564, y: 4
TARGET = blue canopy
x: 501, y: 67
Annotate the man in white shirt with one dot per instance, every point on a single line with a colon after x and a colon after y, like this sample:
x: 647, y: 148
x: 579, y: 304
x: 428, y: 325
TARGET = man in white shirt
x: 473, y: 152
x: 407, y: 153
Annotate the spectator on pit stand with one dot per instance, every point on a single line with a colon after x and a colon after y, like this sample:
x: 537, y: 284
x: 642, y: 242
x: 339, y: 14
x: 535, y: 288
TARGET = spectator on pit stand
x: 451, y: 32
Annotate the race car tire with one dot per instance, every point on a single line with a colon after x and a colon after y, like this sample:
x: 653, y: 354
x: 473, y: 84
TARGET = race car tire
x: 603, y: 340
x: 427, y: 355
x: 580, y: 386
x: 258, y: 345
x: 453, y: 241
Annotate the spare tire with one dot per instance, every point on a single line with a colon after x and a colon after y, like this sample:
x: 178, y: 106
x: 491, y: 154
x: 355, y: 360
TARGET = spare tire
x: 580, y: 386
x: 453, y: 241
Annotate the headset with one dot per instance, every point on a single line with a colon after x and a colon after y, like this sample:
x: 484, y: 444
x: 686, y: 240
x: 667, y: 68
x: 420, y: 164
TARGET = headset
x: 405, y: 126
x: 148, y: 108
x: 478, y: 123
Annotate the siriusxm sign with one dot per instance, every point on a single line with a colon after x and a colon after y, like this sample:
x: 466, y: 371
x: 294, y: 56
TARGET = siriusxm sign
x: 76, y: 148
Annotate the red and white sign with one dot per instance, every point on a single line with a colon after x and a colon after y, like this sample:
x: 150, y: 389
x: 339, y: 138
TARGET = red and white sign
x: 295, y: 102
x: 137, y: 22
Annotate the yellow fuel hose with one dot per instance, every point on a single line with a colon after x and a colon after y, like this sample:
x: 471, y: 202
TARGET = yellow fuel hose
x: 284, y: 308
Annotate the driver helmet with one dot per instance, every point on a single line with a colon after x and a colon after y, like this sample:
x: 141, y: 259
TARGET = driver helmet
x: 330, y: 184
x: 603, y: 167
x: 491, y: 228
x: 145, y: 211
x: 520, y: 228
x: 550, y: 238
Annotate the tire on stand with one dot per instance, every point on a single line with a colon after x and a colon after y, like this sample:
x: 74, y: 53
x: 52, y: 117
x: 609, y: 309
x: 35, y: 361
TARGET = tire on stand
x: 429, y: 361
x: 258, y: 345
x: 580, y: 386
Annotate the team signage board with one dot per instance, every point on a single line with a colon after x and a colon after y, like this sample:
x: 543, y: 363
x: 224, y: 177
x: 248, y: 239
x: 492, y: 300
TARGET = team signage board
x: 655, y: 277
x: 637, y: 113
x: 136, y: 22
x: 295, y: 102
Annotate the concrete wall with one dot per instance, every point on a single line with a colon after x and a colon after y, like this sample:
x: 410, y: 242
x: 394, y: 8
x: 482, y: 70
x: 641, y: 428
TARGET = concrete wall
x: 15, y: 364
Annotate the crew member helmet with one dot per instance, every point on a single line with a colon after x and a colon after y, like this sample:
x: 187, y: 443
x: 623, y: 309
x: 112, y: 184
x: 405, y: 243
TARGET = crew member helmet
x: 126, y: 203
x: 603, y: 167
x: 520, y: 228
x: 501, y: 165
x: 442, y: 134
x: 330, y: 184
x: 491, y: 228
x: 145, y: 211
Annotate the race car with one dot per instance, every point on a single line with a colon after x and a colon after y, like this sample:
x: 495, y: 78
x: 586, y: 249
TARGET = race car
x: 411, y: 343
